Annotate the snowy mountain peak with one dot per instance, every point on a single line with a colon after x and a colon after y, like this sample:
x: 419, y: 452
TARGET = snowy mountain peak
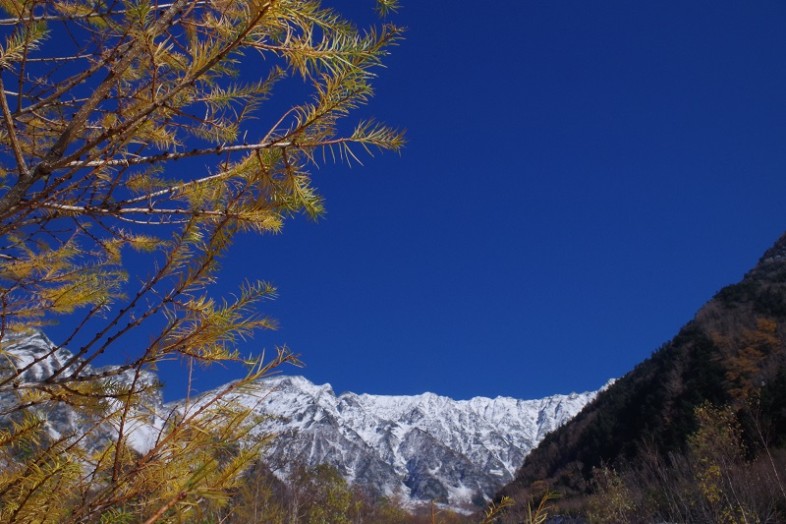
x: 422, y: 447
x: 35, y: 354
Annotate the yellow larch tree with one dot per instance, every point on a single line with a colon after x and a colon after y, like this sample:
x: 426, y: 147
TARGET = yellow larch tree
x: 148, y: 130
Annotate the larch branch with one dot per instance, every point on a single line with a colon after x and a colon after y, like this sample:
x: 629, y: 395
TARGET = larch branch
x: 140, y: 116
x: 24, y: 173
x: 86, y: 16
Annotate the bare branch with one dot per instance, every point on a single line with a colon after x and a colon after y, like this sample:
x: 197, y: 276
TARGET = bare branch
x: 116, y: 211
x: 59, y: 58
x: 24, y: 173
x: 86, y: 16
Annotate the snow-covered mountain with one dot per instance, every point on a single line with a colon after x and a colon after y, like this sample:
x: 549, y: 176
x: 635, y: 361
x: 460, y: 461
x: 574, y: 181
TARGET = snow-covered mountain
x: 422, y: 448
x: 33, y: 358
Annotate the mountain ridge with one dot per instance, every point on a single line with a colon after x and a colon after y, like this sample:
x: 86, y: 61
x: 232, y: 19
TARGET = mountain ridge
x: 422, y: 447
x: 419, y: 448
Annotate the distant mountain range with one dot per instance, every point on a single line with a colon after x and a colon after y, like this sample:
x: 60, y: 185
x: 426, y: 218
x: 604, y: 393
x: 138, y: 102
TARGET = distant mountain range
x: 421, y: 448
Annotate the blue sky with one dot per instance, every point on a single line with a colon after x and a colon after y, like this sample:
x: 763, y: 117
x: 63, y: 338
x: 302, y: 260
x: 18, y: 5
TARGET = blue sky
x: 580, y: 177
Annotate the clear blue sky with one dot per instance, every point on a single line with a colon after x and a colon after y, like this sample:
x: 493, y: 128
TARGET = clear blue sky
x: 580, y: 177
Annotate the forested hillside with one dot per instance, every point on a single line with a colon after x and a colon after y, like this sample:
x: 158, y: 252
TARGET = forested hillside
x: 694, y: 433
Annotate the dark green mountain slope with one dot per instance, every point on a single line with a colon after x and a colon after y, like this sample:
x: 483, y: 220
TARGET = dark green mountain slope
x: 733, y: 354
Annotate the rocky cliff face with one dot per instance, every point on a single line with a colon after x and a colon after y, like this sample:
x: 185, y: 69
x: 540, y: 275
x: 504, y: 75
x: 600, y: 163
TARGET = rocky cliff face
x: 422, y: 448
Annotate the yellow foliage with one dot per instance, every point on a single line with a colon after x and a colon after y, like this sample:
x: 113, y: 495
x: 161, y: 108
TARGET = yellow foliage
x: 131, y: 163
x: 716, y: 447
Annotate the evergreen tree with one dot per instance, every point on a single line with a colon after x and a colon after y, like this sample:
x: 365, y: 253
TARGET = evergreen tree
x: 105, y: 106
